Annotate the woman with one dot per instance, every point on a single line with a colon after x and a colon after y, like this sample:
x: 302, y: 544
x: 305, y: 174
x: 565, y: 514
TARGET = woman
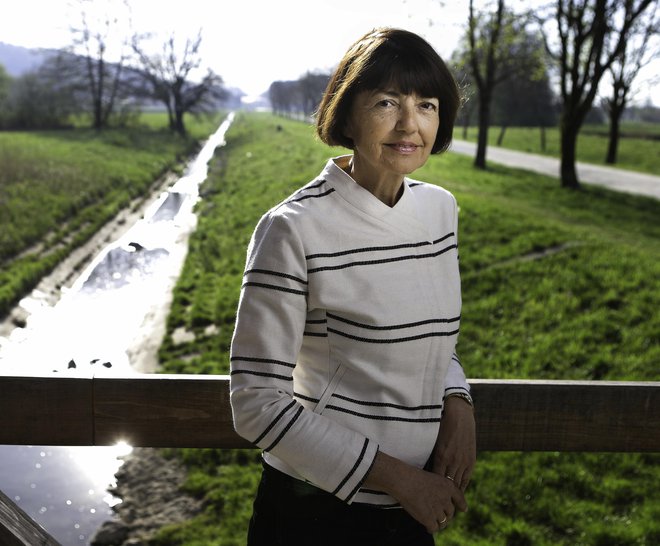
x: 343, y: 362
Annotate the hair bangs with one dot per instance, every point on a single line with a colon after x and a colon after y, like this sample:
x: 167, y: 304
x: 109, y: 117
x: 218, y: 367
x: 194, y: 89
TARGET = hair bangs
x: 406, y: 72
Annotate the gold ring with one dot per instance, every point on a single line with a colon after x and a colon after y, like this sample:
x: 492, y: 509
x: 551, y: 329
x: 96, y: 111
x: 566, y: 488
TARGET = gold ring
x: 443, y: 521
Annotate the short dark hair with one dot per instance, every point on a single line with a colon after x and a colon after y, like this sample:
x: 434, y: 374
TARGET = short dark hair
x: 388, y: 58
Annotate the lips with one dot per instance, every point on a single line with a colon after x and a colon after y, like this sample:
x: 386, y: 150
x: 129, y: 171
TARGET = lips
x: 404, y: 147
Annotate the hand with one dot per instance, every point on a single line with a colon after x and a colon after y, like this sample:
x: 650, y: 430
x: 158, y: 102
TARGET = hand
x: 427, y: 497
x: 455, y: 451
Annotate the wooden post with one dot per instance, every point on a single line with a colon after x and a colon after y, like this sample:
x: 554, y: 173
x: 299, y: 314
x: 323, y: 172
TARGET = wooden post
x: 19, y: 529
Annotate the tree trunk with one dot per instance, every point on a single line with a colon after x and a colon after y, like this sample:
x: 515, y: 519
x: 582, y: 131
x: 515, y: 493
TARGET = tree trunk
x: 568, y: 173
x: 615, y: 117
x: 98, y: 114
x: 179, y: 126
x: 500, y: 137
x: 482, y: 138
x: 543, y: 138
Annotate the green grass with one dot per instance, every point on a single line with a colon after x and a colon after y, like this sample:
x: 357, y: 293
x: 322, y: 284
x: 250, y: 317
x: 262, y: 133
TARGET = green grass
x: 635, y: 153
x: 557, y: 284
x: 57, y: 188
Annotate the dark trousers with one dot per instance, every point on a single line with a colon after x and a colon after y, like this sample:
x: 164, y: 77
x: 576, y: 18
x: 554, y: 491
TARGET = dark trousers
x: 289, y: 512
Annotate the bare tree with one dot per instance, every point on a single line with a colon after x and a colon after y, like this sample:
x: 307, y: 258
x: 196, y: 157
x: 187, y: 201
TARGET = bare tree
x: 499, y: 49
x: 169, y: 76
x: 591, y: 35
x: 103, y: 26
x: 624, y: 70
x: 485, y: 72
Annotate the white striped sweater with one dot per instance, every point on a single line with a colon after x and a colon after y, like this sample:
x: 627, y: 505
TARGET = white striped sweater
x: 346, y: 328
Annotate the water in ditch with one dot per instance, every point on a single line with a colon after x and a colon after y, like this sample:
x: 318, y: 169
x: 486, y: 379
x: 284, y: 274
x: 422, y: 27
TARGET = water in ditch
x: 98, y: 326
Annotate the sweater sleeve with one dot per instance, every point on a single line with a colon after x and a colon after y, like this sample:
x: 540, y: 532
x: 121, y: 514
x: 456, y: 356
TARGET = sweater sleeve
x: 267, y: 338
x: 455, y: 381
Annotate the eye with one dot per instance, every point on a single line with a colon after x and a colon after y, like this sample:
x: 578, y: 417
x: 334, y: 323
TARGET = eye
x: 430, y: 106
x: 385, y: 103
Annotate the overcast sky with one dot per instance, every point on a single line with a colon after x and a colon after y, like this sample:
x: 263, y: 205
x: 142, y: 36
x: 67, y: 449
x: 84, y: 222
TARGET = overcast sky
x: 252, y: 43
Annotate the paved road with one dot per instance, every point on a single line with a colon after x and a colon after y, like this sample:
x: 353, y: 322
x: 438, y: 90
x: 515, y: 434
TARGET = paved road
x: 615, y: 179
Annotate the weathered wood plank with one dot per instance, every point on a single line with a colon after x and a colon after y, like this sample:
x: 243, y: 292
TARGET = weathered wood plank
x: 165, y: 411
x: 46, y: 410
x: 567, y: 416
x: 193, y: 411
x: 18, y: 529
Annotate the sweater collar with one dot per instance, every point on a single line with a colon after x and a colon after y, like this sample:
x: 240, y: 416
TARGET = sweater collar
x: 403, y: 216
x: 403, y: 213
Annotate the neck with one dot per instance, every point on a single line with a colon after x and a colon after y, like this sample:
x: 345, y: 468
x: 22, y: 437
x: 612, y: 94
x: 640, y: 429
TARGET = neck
x: 387, y: 188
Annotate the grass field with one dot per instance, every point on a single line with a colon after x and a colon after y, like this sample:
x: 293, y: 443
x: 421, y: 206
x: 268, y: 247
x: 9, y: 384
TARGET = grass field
x: 556, y: 284
x: 635, y: 153
x: 57, y: 188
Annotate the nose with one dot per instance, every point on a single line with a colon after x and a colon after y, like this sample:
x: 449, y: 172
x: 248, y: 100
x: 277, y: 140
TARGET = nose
x: 407, y: 119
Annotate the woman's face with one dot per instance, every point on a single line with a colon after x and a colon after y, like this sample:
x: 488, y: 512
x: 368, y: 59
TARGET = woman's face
x: 393, y: 133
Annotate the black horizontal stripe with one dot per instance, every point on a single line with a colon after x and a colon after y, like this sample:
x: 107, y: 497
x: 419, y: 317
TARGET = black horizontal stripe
x: 466, y: 391
x: 314, y: 186
x: 355, y: 467
x: 384, y: 417
x: 303, y: 397
x: 387, y: 404
x: 275, y: 287
x: 314, y: 196
x: 315, y: 334
x: 261, y: 374
x: 382, y: 261
x: 393, y: 340
x: 316, y: 321
x: 377, y: 248
x: 394, y: 326
x: 286, y: 429
x: 274, y: 422
x: 276, y: 274
x: 262, y: 361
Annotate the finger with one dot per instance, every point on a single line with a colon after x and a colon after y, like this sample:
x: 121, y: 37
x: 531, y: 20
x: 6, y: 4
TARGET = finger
x: 459, y: 500
x: 464, y: 484
x: 450, y: 474
x: 465, y: 480
x: 462, y: 475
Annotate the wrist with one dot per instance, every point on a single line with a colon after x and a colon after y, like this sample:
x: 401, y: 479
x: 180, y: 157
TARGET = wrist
x: 462, y: 396
x: 385, y: 474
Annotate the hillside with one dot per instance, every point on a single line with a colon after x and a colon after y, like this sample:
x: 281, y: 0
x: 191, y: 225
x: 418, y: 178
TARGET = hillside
x: 18, y: 60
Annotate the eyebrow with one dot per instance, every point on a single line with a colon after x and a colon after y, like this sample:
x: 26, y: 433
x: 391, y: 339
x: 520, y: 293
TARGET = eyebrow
x: 395, y: 93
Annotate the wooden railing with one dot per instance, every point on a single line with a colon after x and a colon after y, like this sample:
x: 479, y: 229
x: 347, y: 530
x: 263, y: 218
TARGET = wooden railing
x: 159, y: 410
x: 193, y: 411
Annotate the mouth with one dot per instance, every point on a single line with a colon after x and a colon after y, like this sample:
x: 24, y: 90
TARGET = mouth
x: 404, y: 147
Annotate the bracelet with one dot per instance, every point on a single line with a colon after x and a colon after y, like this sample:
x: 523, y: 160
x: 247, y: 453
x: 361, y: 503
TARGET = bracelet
x: 462, y: 396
